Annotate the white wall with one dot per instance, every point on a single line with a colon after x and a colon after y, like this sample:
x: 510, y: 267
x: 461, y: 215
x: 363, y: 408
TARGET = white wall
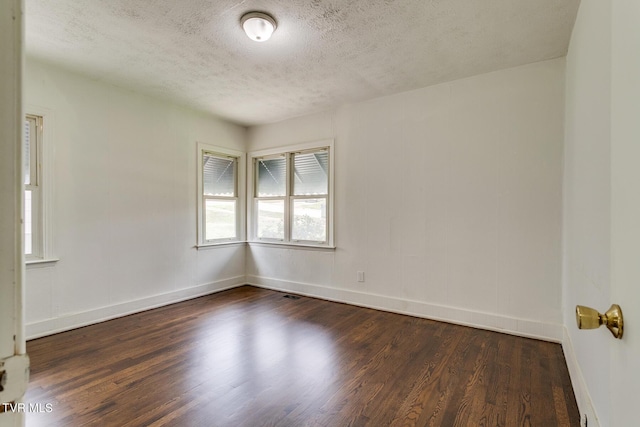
x: 448, y: 197
x: 124, y: 202
x: 587, y: 204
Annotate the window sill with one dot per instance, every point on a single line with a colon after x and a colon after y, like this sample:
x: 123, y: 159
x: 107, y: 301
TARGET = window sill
x: 40, y: 263
x: 301, y: 246
x: 293, y: 246
x: 217, y: 245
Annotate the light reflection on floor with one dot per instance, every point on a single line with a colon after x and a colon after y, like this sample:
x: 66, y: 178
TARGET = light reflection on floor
x: 264, y: 354
x: 240, y: 361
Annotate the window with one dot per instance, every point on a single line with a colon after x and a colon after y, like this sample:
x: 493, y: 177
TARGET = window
x: 38, y: 183
x: 292, y: 197
x: 221, y: 205
x: 33, y: 206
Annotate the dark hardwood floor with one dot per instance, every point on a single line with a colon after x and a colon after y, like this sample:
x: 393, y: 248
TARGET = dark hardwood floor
x: 250, y: 357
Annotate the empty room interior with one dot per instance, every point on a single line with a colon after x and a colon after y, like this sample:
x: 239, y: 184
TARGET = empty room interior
x: 330, y: 212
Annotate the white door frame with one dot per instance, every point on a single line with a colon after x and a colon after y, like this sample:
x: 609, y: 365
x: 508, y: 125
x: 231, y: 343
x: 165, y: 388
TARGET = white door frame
x: 13, y: 360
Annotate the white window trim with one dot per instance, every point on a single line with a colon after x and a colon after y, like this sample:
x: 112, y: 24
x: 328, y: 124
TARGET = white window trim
x: 46, y: 253
x: 251, y: 216
x: 241, y: 189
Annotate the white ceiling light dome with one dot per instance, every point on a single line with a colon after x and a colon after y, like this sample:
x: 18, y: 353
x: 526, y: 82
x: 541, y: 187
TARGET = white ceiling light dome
x: 258, y: 25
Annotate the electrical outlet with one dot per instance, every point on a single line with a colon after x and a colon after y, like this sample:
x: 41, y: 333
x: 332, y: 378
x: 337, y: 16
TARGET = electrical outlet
x: 360, y: 276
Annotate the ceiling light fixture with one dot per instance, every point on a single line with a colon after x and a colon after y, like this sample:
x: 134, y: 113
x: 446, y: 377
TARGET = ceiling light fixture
x: 258, y: 25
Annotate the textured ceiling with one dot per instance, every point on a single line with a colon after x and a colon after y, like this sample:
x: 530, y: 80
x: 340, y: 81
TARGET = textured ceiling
x: 324, y: 53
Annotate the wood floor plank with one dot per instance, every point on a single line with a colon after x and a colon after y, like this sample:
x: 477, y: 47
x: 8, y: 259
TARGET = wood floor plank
x: 250, y: 357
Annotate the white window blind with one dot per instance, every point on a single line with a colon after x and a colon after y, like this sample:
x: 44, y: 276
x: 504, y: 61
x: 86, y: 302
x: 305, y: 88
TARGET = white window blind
x: 219, y: 175
x: 33, y: 221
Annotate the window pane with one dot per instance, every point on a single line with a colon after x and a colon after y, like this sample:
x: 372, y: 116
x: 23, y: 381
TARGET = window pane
x: 220, y: 220
x: 270, y: 219
x: 311, y: 173
x: 26, y: 156
x: 272, y: 178
x: 28, y: 224
x: 219, y: 176
x: 309, y: 220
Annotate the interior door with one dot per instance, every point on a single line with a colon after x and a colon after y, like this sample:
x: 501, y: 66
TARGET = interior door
x: 13, y: 360
x: 625, y: 209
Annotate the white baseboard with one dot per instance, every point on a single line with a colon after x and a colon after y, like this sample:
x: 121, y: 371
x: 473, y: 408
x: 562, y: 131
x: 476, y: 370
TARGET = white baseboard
x: 583, y: 398
x: 77, y: 320
x: 493, y: 322
x: 521, y: 327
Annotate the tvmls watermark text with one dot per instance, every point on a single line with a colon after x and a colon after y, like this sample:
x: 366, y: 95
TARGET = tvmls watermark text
x: 27, y: 407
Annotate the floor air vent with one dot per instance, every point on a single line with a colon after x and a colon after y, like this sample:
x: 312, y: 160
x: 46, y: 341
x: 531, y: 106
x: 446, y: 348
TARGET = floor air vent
x: 291, y: 296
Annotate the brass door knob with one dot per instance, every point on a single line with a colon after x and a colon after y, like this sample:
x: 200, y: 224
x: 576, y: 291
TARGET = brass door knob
x: 589, y: 318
